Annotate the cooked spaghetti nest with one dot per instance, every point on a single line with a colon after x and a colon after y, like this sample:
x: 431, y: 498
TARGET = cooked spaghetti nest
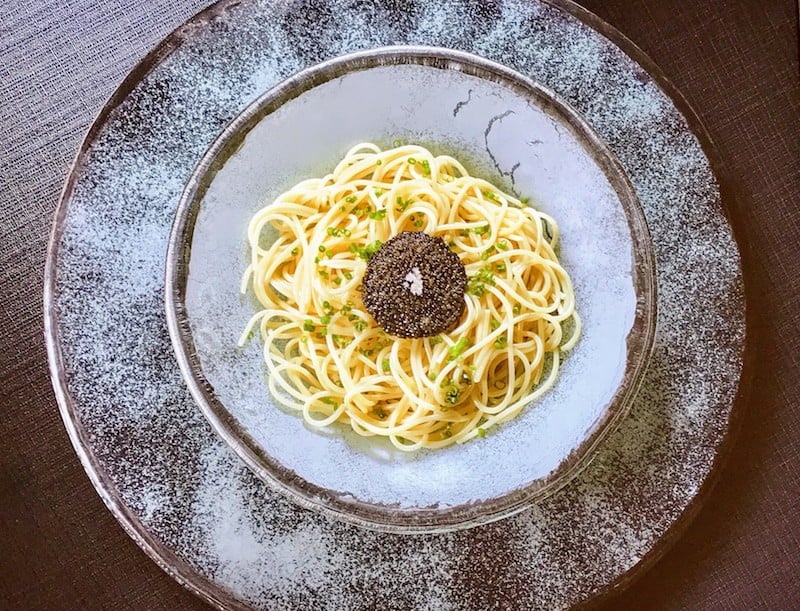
x: 328, y: 359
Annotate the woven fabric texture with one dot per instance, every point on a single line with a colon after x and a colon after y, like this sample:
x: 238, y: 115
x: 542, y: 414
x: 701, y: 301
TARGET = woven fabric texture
x: 736, y: 63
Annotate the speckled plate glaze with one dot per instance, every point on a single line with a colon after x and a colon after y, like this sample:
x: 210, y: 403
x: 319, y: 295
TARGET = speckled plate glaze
x: 184, y: 496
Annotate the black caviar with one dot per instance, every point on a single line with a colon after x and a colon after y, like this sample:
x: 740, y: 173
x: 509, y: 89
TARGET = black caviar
x: 414, y: 286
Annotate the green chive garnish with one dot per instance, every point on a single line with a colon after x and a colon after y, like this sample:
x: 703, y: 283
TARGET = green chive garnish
x: 457, y: 348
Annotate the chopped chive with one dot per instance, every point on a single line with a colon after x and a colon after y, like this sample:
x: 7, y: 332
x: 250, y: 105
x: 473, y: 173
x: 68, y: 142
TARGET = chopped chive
x: 436, y: 339
x: 329, y: 253
x: 322, y: 246
x: 359, y: 325
x: 348, y: 275
x: 501, y: 245
x: 326, y: 306
x: 308, y: 325
x: 481, y: 432
x: 432, y: 375
x: 337, y: 281
x: 351, y: 200
x: 452, y: 395
x: 524, y: 200
x: 324, y: 274
x: 380, y: 413
x: 317, y: 259
x: 501, y: 267
x: 295, y: 251
x: 396, y: 143
x: 346, y: 232
x: 366, y: 252
x: 379, y: 162
x: 418, y: 223
x: 411, y: 161
x: 457, y: 348
x: 517, y: 308
x: 494, y: 324
x: 501, y: 342
x: 547, y: 229
x: 325, y: 319
x: 385, y: 364
x: 378, y: 215
x: 329, y: 401
x: 476, y: 284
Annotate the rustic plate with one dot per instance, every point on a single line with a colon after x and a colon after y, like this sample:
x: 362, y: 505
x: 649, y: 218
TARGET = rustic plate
x: 188, y: 500
x: 513, y: 132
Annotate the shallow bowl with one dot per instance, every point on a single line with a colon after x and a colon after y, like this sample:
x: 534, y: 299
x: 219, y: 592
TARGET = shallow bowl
x: 504, y: 127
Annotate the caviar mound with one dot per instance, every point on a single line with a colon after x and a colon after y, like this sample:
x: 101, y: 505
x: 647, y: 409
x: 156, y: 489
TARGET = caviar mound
x: 414, y: 286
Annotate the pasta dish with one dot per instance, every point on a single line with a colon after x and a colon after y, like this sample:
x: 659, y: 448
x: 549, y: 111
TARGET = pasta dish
x: 408, y: 299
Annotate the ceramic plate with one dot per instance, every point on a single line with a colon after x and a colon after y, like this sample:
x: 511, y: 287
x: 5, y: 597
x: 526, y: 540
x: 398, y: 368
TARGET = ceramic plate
x: 187, y: 499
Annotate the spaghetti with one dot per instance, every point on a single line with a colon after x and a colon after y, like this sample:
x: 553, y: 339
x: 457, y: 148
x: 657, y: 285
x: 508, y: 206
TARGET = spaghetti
x: 328, y: 358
